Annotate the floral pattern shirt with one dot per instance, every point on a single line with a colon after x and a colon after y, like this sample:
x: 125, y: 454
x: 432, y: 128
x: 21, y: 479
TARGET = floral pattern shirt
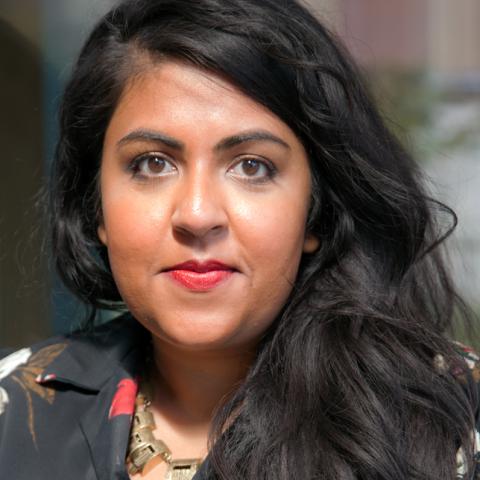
x: 66, y: 405
x: 473, y: 362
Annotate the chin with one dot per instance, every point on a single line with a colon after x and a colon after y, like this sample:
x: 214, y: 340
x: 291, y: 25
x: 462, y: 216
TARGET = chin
x: 205, y: 343
x: 198, y: 335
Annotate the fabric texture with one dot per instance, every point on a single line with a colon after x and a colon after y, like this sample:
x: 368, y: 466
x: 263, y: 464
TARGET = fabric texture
x: 66, y: 404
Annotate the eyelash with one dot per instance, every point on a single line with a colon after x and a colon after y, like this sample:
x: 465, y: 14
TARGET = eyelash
x: 135, y: 167
x: 271, y: 171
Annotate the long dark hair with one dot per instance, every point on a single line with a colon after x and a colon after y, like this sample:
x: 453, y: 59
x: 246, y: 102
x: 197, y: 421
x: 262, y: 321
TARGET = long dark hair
x: 344, y: 384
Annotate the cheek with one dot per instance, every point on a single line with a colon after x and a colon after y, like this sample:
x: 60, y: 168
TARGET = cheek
x: 272, y: 239
x: 132, y: 230
x: 274, y: 252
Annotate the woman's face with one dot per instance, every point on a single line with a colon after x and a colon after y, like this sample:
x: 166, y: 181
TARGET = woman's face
x: 195, y: 171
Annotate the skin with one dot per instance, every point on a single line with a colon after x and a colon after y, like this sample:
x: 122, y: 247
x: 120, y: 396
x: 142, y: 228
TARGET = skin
x: 200, y: 202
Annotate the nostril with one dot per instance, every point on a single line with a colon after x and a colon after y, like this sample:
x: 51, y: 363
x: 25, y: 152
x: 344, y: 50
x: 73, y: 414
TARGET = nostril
x: 190, y: 232
x: 199, y: 222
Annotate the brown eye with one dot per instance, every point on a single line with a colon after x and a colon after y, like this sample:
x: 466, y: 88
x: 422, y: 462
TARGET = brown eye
x: 253, y: 170
x: 250, y: 166
x: 151, y: 165
x: 155, y: 165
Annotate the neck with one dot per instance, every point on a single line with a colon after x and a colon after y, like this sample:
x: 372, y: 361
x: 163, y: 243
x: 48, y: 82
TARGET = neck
x: 190, y: 385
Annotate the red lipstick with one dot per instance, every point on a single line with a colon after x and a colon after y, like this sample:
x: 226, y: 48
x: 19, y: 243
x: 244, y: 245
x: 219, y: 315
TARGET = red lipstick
x: 200, y: 276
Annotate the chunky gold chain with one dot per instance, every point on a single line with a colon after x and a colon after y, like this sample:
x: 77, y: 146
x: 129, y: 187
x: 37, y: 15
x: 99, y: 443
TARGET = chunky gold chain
x: 145, y: 452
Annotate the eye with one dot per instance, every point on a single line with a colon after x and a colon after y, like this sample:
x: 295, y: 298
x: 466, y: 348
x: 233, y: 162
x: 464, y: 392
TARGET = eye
x: 253, y: 170
x: 151, y: 165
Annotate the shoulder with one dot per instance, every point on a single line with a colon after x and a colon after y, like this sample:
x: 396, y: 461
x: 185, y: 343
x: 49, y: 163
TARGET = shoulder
x: 5, y: 351
x: 13, y: 361
x: 469, y: 355
x: 20, y: 368
x: 81, y: 360
x: 463, y: 365
x: 465, y: 368
x: 61, y: 391
x: 24, y: 403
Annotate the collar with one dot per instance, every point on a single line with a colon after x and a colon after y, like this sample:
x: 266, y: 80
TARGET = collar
x: 89, y: 359
x: 106, y: 362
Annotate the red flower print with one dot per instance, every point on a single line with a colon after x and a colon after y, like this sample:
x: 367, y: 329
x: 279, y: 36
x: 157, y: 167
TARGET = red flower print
x: 123, y: 402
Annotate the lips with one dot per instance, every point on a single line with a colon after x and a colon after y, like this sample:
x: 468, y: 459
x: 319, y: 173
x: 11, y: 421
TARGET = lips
x: 200, y: 276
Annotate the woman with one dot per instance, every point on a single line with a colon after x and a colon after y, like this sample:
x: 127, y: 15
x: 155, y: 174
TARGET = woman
x: 222, y: 174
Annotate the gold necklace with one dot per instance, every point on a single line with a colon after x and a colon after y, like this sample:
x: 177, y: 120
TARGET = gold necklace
x: 145, y: 452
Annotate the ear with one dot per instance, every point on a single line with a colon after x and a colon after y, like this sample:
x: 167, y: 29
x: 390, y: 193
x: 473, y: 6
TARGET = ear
x: 310, y: 243
x: 102, y: 234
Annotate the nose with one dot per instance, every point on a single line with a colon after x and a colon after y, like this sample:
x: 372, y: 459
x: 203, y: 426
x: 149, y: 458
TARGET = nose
x: 199, y: 210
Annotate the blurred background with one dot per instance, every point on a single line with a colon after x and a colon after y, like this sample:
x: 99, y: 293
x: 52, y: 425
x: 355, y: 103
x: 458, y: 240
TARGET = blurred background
x: 420, y: 57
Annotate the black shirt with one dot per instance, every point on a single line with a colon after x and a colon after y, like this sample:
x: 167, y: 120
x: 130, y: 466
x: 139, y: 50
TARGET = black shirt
x: 66, y: 404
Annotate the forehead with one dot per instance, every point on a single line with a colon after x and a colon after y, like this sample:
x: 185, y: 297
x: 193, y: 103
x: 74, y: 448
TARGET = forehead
x: 174, y: 95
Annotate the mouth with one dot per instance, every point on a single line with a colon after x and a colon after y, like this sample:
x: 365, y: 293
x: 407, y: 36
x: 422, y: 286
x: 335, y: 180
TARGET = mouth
x: 200, y: 276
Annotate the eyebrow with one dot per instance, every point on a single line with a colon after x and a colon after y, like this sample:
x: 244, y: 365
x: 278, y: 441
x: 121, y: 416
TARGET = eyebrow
x: 224, y: 144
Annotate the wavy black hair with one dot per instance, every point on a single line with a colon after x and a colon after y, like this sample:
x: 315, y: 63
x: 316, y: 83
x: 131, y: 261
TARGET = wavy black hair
x: 344, y: 384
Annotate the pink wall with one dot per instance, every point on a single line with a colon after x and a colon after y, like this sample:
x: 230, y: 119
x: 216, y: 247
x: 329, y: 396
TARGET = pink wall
x: 386, y: 33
